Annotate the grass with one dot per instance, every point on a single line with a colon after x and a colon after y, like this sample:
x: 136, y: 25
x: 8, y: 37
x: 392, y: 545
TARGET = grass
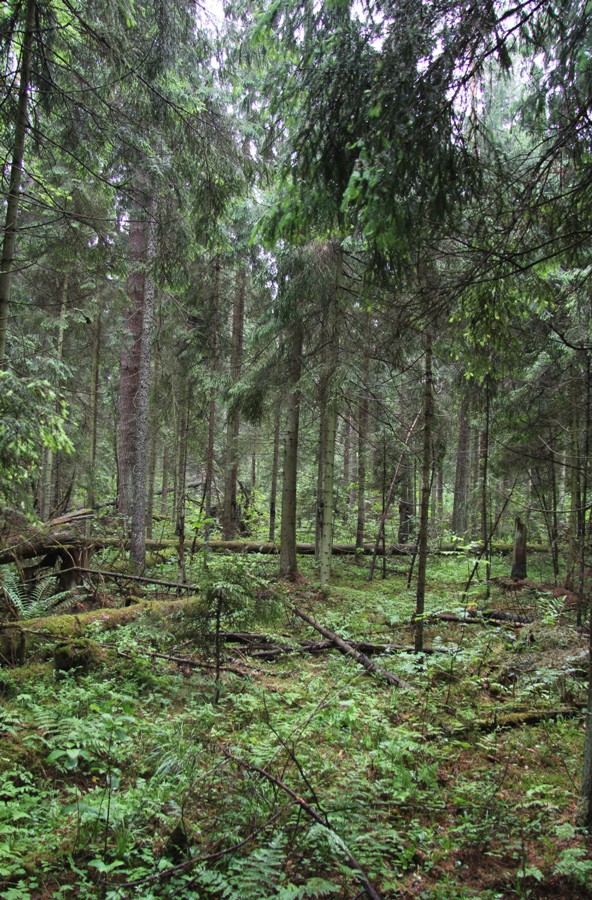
x: 141, y: 777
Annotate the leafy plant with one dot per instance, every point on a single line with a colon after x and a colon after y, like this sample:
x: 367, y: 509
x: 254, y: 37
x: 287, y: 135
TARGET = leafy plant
x: 31, y: 599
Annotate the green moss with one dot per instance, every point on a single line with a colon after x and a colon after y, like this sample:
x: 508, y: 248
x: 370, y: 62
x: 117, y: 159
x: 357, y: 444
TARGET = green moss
x: 76, y: 655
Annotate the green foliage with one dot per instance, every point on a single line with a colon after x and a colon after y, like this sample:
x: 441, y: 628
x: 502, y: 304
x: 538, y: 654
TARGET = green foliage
x: 32, y: 599
x: 32, y: 416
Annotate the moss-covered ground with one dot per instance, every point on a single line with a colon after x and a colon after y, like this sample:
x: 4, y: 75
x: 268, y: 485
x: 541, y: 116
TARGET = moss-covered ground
x: 298, y: 775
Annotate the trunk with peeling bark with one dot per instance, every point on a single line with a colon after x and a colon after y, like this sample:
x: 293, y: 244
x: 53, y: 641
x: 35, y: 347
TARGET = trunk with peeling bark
x: 519, y: 553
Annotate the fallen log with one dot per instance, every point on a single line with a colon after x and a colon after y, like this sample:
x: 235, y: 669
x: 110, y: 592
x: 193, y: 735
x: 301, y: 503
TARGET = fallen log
x: 42, y: 543
x: 493, y: 617
x: 516, y: 720
x: 348, y: 650
x: 104, y: 573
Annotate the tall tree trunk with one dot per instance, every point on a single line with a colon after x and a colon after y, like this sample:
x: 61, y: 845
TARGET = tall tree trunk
x: 275, y: 465
x: 326, y: 537
x: 181, y: 472
x: 164, y: 501
x: 362, y: 453
x: 94, y: 412
x: 142, y: 403
x: 153, y: 448
x: 321, y: 454
x: 16, y: 173
x: 329, y: 415
x: 212, y: 403
x: 584, y: 489
x: 484, y: 460
x: 288, y: 558
x: 460, y: 506
x: 230, y: 520
x: 425, y: 496
x: 131, y: 350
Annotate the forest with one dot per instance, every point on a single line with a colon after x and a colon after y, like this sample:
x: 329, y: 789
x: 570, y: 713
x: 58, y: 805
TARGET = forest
x: 295, y: 449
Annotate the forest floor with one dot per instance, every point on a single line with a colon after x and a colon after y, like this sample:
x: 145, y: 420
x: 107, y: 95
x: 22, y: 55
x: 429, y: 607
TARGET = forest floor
x: 294, y: 773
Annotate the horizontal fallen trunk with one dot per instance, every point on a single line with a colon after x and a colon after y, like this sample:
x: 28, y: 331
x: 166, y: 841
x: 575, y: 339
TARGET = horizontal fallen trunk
x: 120, y: 576
x: 495, y: 617
x: 262, y: 647
x: 517, y: 720
x: 348, y: 650
x: 62, y: 542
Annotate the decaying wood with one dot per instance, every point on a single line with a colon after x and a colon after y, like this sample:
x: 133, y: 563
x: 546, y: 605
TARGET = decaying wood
x: 310, y: 811
x: 261, y: 646
x: 41, y: 543
x: 104, y: 573
x: 517, y: 720
x: 494, y: 617
x: 348, y: 650
x: 178, y: 660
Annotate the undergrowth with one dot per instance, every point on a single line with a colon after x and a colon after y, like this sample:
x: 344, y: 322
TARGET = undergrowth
x: 185, y: 766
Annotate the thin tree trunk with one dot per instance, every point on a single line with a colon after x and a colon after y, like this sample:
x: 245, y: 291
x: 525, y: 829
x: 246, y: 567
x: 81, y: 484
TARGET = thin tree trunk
x: 461, y: 478
x: 212, y: 404
x: 288, y: 558
x: 275, y: 465
x: 230, y: 521
x: 584, y: 811
x: 326, y: 542
x: 131, y: 351
x: 153, y: 451
x: 94, y: 413
x: 584, y: 492
x: 425, y: 497
x: 329, y: 413
x: 181, y: 473
x: 484, y: 459
x: 142, y: 403
x: 362, y: 451
x: 164, y: 501
x: 16, y: 173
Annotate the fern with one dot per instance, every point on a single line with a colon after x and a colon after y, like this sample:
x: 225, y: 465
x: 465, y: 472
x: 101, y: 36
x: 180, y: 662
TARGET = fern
x: 29, y: 600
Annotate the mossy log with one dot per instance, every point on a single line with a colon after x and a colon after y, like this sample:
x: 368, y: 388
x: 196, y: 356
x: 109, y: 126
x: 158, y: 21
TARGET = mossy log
x: 13, y: 646
x: 78, y: 655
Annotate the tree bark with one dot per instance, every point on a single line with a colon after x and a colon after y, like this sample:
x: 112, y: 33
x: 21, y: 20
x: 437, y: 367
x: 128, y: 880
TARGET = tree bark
x: 16, y: 174
x: 461, y: 479
x: 131, y: 350
x: 425, y: 496
x: 519, y: 553
x: 94, y: 412
x: 484, y: 462
x: 275, y: 465
x: 210, y: 458
x: 288, y: 557
x: 230, y: 520
x: 142, y: 401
